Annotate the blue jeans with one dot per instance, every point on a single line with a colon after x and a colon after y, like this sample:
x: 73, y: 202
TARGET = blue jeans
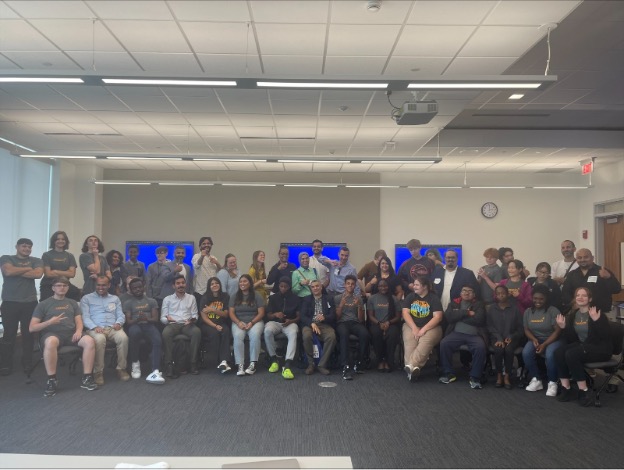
x: 255, y: 334
x: 452, y: 342
x: 528, y: 355
x: 135, y: 332
x: 273, y: 328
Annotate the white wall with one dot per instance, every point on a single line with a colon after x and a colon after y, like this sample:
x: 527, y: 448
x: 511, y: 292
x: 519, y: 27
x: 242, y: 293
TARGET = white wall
x: 242, y: 219
x: 532, y: 222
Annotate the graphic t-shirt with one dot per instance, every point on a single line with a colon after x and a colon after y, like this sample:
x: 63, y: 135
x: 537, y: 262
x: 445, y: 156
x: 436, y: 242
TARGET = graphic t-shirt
x: 51, y: 308
x: 139, y: 307
x: 421, y: 308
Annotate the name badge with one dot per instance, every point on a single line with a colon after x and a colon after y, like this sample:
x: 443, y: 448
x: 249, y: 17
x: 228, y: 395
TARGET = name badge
x: 110, y: 307
x: 336, y: 272
x: 592, y: 279
x: 437, y: 280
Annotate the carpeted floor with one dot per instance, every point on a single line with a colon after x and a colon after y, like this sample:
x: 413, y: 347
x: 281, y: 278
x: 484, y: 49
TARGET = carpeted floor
x: 379, y: 420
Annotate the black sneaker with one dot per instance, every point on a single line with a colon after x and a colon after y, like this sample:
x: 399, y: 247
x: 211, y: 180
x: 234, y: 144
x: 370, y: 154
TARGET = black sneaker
x: 88, y: 383
x: 586, y: 397
x: 169, y: 370
x: 358, y: 368
x: 447, y: 379
x: 565, y: 394
x: 346, y: 373
x: 50, y: 390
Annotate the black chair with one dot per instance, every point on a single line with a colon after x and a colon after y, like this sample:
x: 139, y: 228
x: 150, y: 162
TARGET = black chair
x: 69, y: 354
x: 612, y: 366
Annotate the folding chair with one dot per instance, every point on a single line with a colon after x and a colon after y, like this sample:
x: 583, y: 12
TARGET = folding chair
x: 612, y: 366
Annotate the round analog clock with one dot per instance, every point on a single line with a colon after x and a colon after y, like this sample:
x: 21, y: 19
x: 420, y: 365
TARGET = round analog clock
x: 489, y: 210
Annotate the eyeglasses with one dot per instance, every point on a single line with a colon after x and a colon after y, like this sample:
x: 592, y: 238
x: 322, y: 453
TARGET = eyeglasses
x: 546, y: 273
x: 467, y: 291
x: 60, y: 285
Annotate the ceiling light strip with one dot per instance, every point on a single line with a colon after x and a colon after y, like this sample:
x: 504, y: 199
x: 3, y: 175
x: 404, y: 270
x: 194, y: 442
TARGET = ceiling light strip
x: 309, y: 185
x: 313, y: 161
x: 473, y: 86
x: 320, y: 85
x: 250, y: 184
x: 60, y: 156
x: 10, y: 142
x: 40, y: 80
x: 133, y: 183
x: 158, y: 82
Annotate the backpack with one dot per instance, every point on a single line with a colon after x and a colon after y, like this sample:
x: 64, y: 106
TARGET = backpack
x: 181, y: 356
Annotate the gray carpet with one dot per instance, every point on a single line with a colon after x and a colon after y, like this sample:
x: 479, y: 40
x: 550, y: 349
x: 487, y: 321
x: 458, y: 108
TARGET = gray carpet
x: 379, y: 420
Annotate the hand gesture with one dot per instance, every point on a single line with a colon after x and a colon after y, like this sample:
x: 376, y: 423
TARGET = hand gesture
x: 218, y: 327
x: 603, y: 273
x: 507, y: 341
x: 178, y: 268
x: 57, y: 319
x: 539, y: 349
x: 316, y: 329
x: 594, y: 314
x: 471, y: 313
x: 499, y: 344
x: 561, y: 321
x: 116, y: 327
x: 76, y: 337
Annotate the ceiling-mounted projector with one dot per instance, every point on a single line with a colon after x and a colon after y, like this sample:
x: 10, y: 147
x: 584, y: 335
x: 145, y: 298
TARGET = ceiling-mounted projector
x: 416, y: 112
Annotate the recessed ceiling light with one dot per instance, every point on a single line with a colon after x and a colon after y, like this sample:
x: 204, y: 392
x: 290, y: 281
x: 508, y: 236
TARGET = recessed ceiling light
x: 516, y: 96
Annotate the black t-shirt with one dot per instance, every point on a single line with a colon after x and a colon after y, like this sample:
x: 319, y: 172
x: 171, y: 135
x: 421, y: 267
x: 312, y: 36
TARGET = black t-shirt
x: 421, y: 308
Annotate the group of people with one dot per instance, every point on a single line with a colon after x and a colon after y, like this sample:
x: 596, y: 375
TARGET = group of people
x: 559, y: 313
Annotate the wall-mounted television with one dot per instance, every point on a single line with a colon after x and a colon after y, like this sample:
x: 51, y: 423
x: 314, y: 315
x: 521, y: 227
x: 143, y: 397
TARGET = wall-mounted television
x: 329, y: 249
x: 147, y: 250
x: 402, y: 254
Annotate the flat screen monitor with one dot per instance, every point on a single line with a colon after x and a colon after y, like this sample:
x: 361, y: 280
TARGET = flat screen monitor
x: 147, y: 250
x: 402, y: 254
x: 329, y: 249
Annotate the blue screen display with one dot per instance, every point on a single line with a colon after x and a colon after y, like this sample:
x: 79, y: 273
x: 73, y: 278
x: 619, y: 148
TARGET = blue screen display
x: 329, y: 249
x: 147, y: 250
x: 402, y: 254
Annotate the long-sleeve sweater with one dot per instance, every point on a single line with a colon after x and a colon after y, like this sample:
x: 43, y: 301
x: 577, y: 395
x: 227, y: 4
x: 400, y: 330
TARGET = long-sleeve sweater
x: 504, y: 323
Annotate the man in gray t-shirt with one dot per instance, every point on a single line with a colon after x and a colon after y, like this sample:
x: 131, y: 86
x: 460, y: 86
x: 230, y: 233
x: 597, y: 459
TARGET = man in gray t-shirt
x: 19, y: 299
x: 59, y: 320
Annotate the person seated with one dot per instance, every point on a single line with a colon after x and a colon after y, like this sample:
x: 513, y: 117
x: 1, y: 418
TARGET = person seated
x: 542, y: 278
x: 518, y: 288
x: 466, y: 321
x: 385, y: 271
x: 59, y: 320
x: 493, y: 272
x: 104, y: 319
x: 350, y: 321
x: 504, y: 323
x: 586, y: 337
x: 422, y: 313
x: 179, y: 313
x: 303, y: 276
x: 141, y: 317
x: 247, y: 315
x: 384, y: 317
x: 214, y: 323
x: 58, y: 262
x: 317, y: 317
x: 282, y: 316
x: 542, y: 332
x: 258, y: 274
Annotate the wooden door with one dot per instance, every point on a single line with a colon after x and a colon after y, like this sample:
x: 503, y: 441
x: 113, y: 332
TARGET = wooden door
x: 613, y: 238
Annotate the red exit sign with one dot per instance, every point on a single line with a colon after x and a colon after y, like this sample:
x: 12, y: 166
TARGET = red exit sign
x: 587, y: 168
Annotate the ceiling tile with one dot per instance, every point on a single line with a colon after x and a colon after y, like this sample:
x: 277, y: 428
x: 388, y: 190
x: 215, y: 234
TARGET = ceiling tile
x: 50, y: 60
x: 354, y: 65
x: 225, y: 10
x: 303, y: 39
x: 341, y: 133
x: 303, y: 167
x: 6, y: 64
x: 339, y: 121
x: 133, y: 129
x: 229, y: 65
x: 149, y: 104
x: 114, y: 117
x: 530, y: 12
x: 479, y: 65
x: 111, y: 62
x: 286, y: 120
x: 78, y: 35
x: 207, y: 119
x: 285, y: 64
x: 356, y: 40
x: 267, y: 11
x: 413, y: 67
x: 130, y: 10
x: 295, y: 132
x: 197, y: 104
x: 7, y: 13
x: 47, y: 9
x: 501, y: 41
x: 354, y: 107
x: 295, y: 106
x: 450, y: 12
x: 159, y: 63
x: 432, y: 41
x: 149, y: 36
x: 252, y: 133
x: 251, y: 120
x: 391, y: 12
x: 222, y: 38
x: 162, y: 118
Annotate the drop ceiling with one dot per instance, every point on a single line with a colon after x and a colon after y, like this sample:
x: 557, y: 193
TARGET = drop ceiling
x: 580, y: 116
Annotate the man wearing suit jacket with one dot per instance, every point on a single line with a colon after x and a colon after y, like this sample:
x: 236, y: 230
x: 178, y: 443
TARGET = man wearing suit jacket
x: 178, y: 267
x: 449, y: 280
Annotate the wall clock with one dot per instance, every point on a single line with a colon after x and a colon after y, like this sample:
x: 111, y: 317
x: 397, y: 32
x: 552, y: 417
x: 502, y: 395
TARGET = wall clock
x: 489, y: 210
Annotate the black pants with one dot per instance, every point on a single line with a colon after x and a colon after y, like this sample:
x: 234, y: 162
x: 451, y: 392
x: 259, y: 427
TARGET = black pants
x: 504, y: 355
x: 14, y: 314
x: 218, y: 341
x: 385, y: 345
x: 347, y: 328
x: 571, y: 357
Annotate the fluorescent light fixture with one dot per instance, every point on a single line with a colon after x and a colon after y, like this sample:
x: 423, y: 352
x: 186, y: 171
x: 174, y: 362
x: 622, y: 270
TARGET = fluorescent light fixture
x: 39, y: 80
x: 133, y: 81
x: 144, y: 158
x: 134, y: 183
x: 497, y: 187
x: 184, y: 183
x: 226, y: 160
x: 478, y: 86
x: 60, y: 156
x: 401, y: 162
x: 433, y: 187
x: 320, y: 85
x: 375, y: 186
x: 560, y: 187
x: 313, y: 161
x: 516, y: 96
x: 249, y: 184
x: 10, y: 142
x: 310, y: 185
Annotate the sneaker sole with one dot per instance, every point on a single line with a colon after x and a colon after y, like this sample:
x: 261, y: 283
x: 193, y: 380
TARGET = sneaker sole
x: 154, y: 382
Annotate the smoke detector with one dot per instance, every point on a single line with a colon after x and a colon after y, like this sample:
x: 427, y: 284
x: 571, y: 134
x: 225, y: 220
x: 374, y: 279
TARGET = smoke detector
x: 373, y: 6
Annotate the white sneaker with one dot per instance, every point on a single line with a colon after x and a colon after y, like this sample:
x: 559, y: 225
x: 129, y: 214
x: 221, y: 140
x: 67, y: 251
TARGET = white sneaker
x: 156, y: 378
x: 241, y: 370
x: 552, y: 389
x: 534, y: 385
x: 251, y: 370
x: 224, y: 367
x: 136, y: 370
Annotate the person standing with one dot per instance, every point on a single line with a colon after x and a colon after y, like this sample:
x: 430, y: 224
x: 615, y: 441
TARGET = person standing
x: 19, y: 299
x: 92, y: 263
x: 58, y: 262
x: 562, y: 267
x: 205, y: 266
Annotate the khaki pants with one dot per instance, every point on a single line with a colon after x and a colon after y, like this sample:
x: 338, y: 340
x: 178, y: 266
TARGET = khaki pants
x: 121, y: 341
x: 418, y: 350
